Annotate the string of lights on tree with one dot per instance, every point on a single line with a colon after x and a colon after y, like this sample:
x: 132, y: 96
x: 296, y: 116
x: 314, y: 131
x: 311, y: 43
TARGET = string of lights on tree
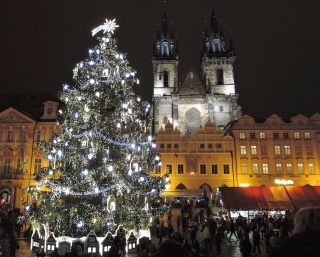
x: 100, y: 163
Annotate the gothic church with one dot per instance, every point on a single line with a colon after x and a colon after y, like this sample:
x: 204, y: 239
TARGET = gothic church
x: 205, y: 93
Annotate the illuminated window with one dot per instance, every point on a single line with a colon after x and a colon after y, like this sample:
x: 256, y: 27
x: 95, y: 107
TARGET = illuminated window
x: 306, y: 134
x: 276, y: 149
x: 244, y: 168
x: 10, y: 136
x: 296, y: 134
x: 254, y: 149
x: 289, y: 168
x: 287, y: 149
x: 226, y: 169
x: 309, y: 149
x: 169, y: 168
x: 252, y: 135
x: 255, y: 169
x: 262, y: 135
x: 180, y: 168
x: 311, y: 168
x: 37, y: 165
x: 279, y: 168
x: 214, y: 169
x: 243, y: 149
x: 300, y: 168
x: 7, y: 166
x: 276, y: 135
x: 203, y: 169
x: 20, y: 164
x: 263, y: 149
x: 265, y: 168
x: 285, y: 135
x: 242, y: 135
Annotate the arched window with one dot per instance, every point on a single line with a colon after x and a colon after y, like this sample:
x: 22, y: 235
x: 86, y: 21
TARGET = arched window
x: 165, y: 78
x: 219, y: 76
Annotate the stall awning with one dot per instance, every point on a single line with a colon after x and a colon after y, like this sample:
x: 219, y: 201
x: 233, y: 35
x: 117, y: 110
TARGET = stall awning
x: 304, y: 196
x: 252, y: 198
x: 183, y: 192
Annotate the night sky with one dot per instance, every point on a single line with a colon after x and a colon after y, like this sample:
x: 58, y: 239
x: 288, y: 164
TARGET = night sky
x: 277, y: 43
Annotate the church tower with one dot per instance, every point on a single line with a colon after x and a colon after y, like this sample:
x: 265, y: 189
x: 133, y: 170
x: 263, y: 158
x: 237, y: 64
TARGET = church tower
x: 205, y: 92
x: 217, y: 70
x: 165, y: 60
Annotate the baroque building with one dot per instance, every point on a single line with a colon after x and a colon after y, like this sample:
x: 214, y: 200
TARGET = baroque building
x: 202, y: 93
x: 277, y: 148
x: 196, y: 164
x: 25, y: 119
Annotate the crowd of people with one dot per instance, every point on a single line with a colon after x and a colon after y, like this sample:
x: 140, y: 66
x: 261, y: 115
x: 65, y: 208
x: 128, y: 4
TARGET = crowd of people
x: 294, y: 236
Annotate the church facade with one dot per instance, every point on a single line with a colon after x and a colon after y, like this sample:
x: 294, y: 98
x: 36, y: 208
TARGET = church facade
x: 205, y: 92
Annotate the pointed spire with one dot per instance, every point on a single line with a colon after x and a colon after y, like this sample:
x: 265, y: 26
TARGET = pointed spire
x: 216, y: 29
x: 221, y: 32
x: 212, y: 22
x: 231, y: 46
x: 154, y: 49
x: 164, y: 25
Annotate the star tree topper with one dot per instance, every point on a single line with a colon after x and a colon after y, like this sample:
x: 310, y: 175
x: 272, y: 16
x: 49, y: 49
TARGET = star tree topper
x: 109, y: 27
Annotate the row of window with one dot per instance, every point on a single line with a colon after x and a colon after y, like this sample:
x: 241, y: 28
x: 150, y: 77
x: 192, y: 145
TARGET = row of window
x: 202, y: 146
x: 279, y: 168
x: 277, y: 149
x: 8, y: 167
x: 202, y: 169
x: 276, y: 135
x: 22, y: 136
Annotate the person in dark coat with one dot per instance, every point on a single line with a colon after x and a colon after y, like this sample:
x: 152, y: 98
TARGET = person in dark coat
x: 187, y: 245
x: 171, y: 248
x: 217, y: 241
x: 113, y: 252
x: 54, y: 253
x: 267, y: 237
x: 305, y: 240
x: 41, y: 253
x: 74, y: 252
x: 256, y: 240
x: 246, y: 247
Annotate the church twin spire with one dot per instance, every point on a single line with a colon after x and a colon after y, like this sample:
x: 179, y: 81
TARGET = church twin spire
x: 164, y: 47
x: 214, y: 43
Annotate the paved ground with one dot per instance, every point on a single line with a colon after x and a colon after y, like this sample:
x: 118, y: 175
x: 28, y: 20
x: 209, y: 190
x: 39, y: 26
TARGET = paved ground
x: 229, y: 249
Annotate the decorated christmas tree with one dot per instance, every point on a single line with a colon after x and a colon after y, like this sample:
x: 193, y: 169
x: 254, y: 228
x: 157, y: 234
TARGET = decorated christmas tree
x: 100, y: 163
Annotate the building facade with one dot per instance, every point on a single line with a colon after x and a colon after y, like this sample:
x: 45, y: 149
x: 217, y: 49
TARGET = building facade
x: 25, y: 120
x: 196, y: 164
x: 276, y: 148
x: 201, y: 94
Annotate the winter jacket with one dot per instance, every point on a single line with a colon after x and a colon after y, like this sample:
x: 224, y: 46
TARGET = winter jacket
x: 302, y: 244
x: 206, y: 233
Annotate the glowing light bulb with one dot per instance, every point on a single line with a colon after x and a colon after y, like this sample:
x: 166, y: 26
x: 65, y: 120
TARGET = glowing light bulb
x: 97, y: 94
x: 157, y: 158
x: 59, y: 153
x: 85, y: 172
x: 90, y: 156
x: 118, y: 125
x: 49, y: 157
x: 110, y: 168
x: 153, y: 145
